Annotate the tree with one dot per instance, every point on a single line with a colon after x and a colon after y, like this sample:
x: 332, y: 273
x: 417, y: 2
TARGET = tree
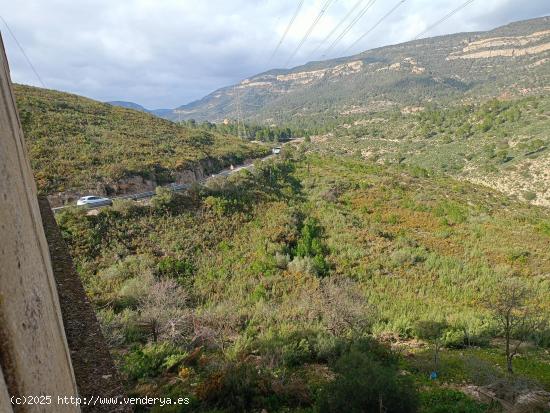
x: 433, y: 332
x: 217, y: 325
x: 163, y: 311
x: 366, y: 382
x: 516, y: 317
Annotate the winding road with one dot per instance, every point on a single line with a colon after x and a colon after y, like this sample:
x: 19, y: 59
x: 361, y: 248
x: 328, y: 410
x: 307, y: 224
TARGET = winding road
x: 178, y: 187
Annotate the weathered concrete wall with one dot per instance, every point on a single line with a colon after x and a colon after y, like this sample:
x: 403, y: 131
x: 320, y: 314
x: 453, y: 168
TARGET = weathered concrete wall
x: 34, y: 357
x: 93, y: 366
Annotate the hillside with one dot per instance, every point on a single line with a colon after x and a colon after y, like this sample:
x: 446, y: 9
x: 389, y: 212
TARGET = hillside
x: 78, y: 145
x: 501, y: 143
x: 513, y: 59
x: 274, y: 289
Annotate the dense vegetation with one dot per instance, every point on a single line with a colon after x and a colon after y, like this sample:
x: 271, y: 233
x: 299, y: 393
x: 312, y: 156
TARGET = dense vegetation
x: 314, y: 283
x: 501, y: 143
x: 76, y: 143
x: 248, y: 132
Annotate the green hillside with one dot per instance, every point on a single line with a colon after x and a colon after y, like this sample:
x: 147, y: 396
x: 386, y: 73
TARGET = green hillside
x: 503, y: 144
x: 285, y: 288
x: 512, y: 59
x: 77, y: 143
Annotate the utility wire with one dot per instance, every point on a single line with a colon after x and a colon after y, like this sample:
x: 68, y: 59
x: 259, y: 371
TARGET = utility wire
x: 308, y: 33
x: 448, y: 16
x: 337, y: 26
x: 350, y: 26
x: 283, y: 37
x: 23, y: 52
x: 376, y: 25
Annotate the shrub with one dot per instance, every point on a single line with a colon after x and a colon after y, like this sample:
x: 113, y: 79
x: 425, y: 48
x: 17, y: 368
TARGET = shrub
x: 282, y: 260
x: 220, y: 206
x: 170, y: 267
x: 110, y: 327
x: 132, y: 291
x: 150, y: 360
x: 302, y: 265
x: 328, y: 348
x: 297, y: 353
x: 454, y: 338
x: 309, y: 244
x: 310, y: 251
x: 127, y: 207
x: 164, y: 200
x: 238, y: 387
x: 365, y: 384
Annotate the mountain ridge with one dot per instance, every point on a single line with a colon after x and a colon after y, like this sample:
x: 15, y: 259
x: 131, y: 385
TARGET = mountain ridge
x: 431, y: 68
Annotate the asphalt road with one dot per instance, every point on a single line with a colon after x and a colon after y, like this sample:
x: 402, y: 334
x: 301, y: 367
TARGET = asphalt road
x: 176, y: 187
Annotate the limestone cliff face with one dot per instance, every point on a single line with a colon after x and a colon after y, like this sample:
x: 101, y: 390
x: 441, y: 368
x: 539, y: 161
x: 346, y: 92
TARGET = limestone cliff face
x: 535, y: 43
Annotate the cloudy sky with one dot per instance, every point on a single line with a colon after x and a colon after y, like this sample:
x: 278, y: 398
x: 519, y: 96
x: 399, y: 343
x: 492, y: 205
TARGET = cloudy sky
x: 164, y: 53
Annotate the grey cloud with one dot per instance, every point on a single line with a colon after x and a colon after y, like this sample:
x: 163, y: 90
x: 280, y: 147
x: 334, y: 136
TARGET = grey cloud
x: 166, y: 53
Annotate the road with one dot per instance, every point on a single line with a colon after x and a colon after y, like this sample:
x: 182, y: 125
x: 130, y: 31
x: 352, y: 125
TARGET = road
x: 179, y: 187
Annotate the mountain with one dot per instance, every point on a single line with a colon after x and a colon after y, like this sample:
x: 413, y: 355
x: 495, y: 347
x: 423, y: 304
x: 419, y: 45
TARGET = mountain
x: 513, y: 59
x: 161, y: 113
x: 128, y: 105
x: 78, y: 145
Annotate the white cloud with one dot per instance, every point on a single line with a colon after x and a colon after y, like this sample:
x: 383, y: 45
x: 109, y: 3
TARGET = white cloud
x: 166, y: 53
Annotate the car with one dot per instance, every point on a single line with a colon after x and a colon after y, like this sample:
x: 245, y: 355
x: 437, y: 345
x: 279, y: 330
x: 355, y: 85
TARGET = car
x: 93, y: 201
x: 276, y: 150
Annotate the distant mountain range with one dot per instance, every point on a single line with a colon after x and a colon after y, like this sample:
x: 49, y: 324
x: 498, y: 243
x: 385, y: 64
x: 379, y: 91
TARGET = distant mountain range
x: 513, y: 59
x: 128, y: 105
x: 163, y: 113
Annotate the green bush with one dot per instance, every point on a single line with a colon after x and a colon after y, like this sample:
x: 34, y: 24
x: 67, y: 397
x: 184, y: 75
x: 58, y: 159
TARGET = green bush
x: 150, y: 360
x: 454, y: 338
x: 170, y: 267
x: 297, y: 353
x: 365, y: 384
x: 164, y: 199
x: 310, y: 245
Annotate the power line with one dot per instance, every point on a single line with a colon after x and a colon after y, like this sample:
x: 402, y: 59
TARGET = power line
x: 240, y: 118
x: 376, y: 25
x: 448, y: 16
x: 23, y: 52
x: 350, y: 26
x: 338, y: 26
x: 308, y: 33
x: 238, y: 108
x: 283, y: 37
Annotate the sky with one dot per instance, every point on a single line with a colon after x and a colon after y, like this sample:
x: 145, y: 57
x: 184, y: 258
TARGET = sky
x: 165, y: 53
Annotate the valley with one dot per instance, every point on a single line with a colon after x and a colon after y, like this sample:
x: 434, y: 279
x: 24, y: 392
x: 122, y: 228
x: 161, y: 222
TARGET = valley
x: 392, y: 256
x: 278, y: 275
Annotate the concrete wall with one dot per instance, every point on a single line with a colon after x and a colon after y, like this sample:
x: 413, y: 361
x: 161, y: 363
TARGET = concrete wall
x: 34, y: 357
